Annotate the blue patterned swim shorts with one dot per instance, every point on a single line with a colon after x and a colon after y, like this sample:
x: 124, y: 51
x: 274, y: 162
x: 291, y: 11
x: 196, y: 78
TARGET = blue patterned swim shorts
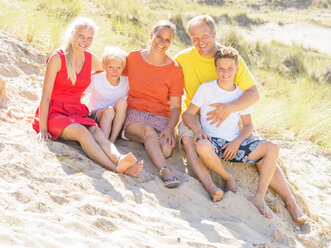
x: 245, y: 148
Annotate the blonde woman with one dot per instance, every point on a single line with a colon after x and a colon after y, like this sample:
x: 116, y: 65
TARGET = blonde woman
x: 154, y: 99
x: 61, y: 113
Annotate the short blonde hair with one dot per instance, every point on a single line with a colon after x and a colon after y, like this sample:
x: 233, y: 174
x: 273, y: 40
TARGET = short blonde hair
x: 201, y: 19
x: 111, y: 53
x: 226, y: 53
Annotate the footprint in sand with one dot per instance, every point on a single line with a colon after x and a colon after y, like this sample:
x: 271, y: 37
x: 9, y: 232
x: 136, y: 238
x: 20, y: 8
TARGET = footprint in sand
x: 105, y: 225
x: 59, y: 199
x: 30, y: 95
x: 1, y: 147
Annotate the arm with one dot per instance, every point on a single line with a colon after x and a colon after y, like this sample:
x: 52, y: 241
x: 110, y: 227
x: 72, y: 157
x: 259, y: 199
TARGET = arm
x: 189, y: 120
x: 169, y: 131
x: 222, y: 111
x: 53, y: 67
x: 232, y: 147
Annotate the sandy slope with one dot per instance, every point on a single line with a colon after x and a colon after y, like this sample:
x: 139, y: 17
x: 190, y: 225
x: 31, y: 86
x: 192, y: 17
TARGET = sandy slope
x: 52, y: 195
x: 306, y: 34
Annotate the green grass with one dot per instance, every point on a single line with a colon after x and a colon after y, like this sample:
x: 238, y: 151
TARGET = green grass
x: 292, y: 80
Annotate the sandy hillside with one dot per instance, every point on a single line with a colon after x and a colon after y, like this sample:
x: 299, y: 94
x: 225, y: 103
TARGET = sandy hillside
x: 306, y: 34
x: 52, y: 195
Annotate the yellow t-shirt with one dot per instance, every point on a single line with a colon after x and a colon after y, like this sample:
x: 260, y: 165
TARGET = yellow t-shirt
x: 198, y: 70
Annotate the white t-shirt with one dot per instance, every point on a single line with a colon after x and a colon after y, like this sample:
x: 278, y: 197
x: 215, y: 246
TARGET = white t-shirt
x: 103, y: 94
x: 209, y: 93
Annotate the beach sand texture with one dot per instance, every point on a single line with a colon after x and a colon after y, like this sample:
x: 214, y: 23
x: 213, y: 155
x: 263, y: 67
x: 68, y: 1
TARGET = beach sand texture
x: 52, y: 195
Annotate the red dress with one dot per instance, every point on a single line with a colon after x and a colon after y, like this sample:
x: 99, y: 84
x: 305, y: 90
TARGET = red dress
x: 65, y: 105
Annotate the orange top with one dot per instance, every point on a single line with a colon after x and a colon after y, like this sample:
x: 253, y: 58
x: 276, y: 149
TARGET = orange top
x: 152, y: 86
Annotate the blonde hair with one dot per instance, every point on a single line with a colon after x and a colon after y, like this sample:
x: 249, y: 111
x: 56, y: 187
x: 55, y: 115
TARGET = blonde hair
x: 164, y: 24
x: 226, y: 53
x: 114, y: 53
x: 201, y: 19
x: 67, y: 40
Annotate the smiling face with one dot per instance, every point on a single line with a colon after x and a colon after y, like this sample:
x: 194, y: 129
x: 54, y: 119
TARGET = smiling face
x: 203, y: 39
x: 114, y: 69
x: 161, y: 40
x: 82, y: 39
x: 226, y: 69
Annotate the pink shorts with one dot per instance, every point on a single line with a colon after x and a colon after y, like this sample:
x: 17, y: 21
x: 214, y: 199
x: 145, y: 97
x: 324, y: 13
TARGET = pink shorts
x: 159, y: 122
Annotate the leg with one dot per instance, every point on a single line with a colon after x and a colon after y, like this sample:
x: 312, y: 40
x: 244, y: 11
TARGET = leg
x: 266, y: 167
x: 186, y: 136
x: 143, y: 133
x: 199, y: 168
x: 81, y: 134
x: 278, y: 183
x: 93, y: 150
x: 124, y: 162
x: 120, y: 113
x: 209, y: 158
x: 105, y: 118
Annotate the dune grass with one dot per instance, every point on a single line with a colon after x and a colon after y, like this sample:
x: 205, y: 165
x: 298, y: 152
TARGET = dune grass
x: 292, y: 80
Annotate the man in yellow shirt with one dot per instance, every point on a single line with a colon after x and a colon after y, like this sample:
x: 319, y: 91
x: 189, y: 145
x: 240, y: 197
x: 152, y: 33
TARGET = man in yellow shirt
x: 198, y: 67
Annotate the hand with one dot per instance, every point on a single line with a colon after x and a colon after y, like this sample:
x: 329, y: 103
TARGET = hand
x: 44, y: 135
x: 231, y: 149
x: 168, y: 136
x: 218, y: 115
x: 201, y: 135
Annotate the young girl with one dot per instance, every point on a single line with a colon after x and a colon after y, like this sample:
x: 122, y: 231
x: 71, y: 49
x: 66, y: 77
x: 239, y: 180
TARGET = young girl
x: 108, y: 91
x: 61, y: 114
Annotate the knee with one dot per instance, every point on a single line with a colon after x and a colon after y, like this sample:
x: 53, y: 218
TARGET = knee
x: 97, y: 133
x: 109, y: 111
x: 188, y: 143
x: 82, y: 133
x: 203, y: 147
x: 121, y: 104
x: 273, y: 148
x: 149, y: 131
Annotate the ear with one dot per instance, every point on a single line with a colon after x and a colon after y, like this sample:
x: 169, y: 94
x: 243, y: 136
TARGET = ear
x: 237, y: 68
x: 214, y: 33
x: 152, y: 34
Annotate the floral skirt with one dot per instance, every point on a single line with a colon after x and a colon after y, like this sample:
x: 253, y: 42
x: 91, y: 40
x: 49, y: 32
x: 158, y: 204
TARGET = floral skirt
x: 159, y: 122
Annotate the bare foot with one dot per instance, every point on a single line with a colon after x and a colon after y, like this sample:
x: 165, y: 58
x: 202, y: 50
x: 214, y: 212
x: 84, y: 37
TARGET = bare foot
x: 134, y: 170
x: 260, y: 204
x: 125, y: 162
x: 230, y: 185
x: 215, y: 193
x: 297, y: 215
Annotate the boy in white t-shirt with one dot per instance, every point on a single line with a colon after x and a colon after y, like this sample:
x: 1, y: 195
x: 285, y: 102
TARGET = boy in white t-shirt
x: 229, y: 142
x: 107, y: 93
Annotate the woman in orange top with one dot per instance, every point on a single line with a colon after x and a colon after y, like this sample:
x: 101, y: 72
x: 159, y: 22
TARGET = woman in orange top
x: 154, y: 99
x: 61, y: 113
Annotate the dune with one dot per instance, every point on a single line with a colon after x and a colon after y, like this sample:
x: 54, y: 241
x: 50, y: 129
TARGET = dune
x: 53, y: 195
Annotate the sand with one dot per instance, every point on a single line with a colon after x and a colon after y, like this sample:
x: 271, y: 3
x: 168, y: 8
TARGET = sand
x: 53, y: 195
x: 308, y: 35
